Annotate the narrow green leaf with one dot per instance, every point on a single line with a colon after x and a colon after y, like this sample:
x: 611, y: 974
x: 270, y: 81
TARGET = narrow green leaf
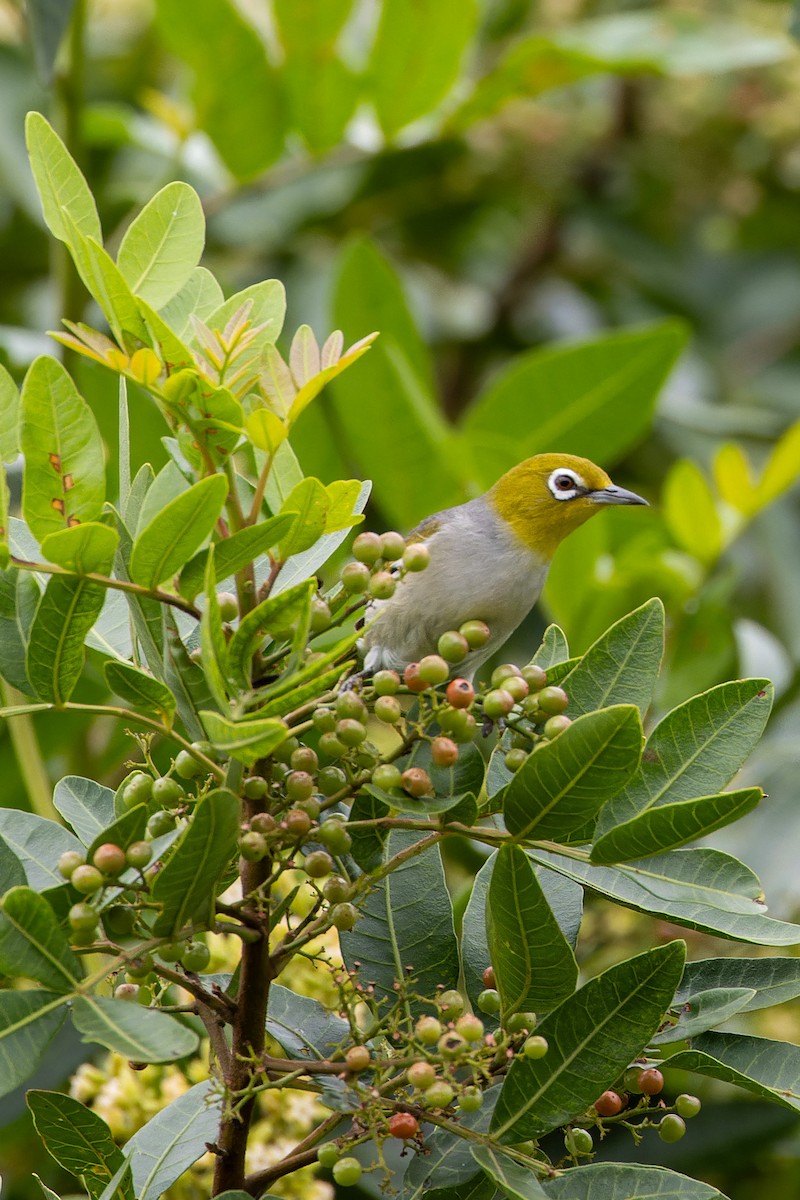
x: 67, y: 611
x: 19, y: 599
x: 592, y: 1036
x: 532, y: 960
x: 77, y: 1138
x: 38, y: 843
x: 667, y: 826
x: 213, y: 646
x: 32, y: 944
x: 246, y: 741
x: 274, y: 616
x: 514, y: 1180
x: 64, y: 480
x: 185, y: 888
x: 553, y: 649
x: 623, y: 1181
x: 9, y: 417
x: 695, y: 750
x: 767, y: 1068
x: 85, y: 804
x: 564, y: 783
x: 169, y: 483
x: 772, y: 980
x: 29, y: 1020
x: 142, y: 1034
x: 140, y: 689
x: 5, y: 504
x: 691, y: 512
x: 233, y: 553
x: 106, y: 283
x: 173, y: 535
x: 622, y: 666
x: 163, y: 244
x: 62, y: 188
x: 185, y: 679
x: 83, y: 548
x: 704, y: 1011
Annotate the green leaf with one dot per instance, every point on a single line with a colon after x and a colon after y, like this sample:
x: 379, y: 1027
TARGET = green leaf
x: 236, y: 94
x: 140, y: 689
x: 592, y: 1036
x: 513, y: 1179
x: 417, y: 57
x: 185, y: 679
x: 199, y: 296
x: 691, y: 513
x: 163, y: 244
x: 67, y: 611
x: 169, y: 483
x: 311, y: 503
x: 246, y: 741
x: 106, y: 283
x: 532, y: 960
x: 767, y: 1068
x: 38, y: 843
x: 772, y: 980
x: 448, y: 1169
x: 695, y: 750
x: 406, y: 921
x: 9, y: 417
x: 12, y: 872
x: 5, y: 504
x: 77, y: 1138
x: 83, y: 548
x: 553, y: 648
x: 267, y: 306
x: 29, y: 1021
x: 48, y: 21
x: 64, y: 480
x: 19, y: 599
x: 701, y: 889
x: 705, y: 1011
x: 141, y: 1034
x: 62, y: 188
x: 213, y: 646
x: 782, y: 469
x: 176, y: 1137
x: 622, y: 1181
x: 274, y: 616
x: 305, y: 1029
x: 129, y: 827
x: 564, y: 783
x: 185, y: 888
x: 32, y: 945
x: 86, y: 805
x: 302, y: 566
x: 622, y: 666
x: 668, y: 826
x: 596, y: 397
x: 233, y: 553
x: 172, y: 536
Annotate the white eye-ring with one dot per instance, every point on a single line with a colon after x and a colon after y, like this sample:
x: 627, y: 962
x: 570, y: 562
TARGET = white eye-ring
x: 565, y: 484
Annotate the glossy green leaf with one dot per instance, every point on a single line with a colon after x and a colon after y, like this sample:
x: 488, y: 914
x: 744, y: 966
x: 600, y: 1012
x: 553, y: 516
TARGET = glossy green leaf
x: 141, y: 1034
x: 129, y: 827
x: 185, y: 679
x: 311, y: 503
x: 564, y: 783
x: 592, y: 1036
x: 185, y: 888
x: 417, y: 57
x: 32, y: 944
x: 448, y: 1168
x: 691, y: 513
x: 772, y: 980
x: 62, y: 188
x: 19, y: 599
x: 163, y: 244
x: 305, y: 1029
x: 67, y: 611
x: 767, y: 1068
x: 5, y: 505
x: 64, y: 480
x: 533, y: 962
x: 12, y: 872
x: 406, y: 922
x: 76, y: 1137
x: 85, y: 804
x: 623, y: 1181
x: 701, y: 889
x: 9, y: 417
x: 172, y: 536
x: 694, y: 751
x: 667, y: 826
x: 169, y: 483
x: 106, y: 283
x: 38, y: 843
x: 233, y: 553
x: 246, y: 741
x: 513, y: 1179
x: 704, y: 1011
x: 596, y: 397
x: 622, y: 666
x: 173, y: 1139
x: 29, y: 1020
x: 200, y: 295
x: 302, y: 566
x: 553, y: 648
x: 83, y: 548
x: 140, y: 690
x: 274, y: 616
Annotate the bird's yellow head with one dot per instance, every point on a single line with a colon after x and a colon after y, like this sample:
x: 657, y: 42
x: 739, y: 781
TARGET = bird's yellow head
x: 548, y: 496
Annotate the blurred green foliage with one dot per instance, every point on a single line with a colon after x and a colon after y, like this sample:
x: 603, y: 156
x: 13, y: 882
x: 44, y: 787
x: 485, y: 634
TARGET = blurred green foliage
x: 486, y: 183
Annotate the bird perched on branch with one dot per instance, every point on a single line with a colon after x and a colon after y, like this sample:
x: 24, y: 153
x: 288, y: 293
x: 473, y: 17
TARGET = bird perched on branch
x: 489, y: 559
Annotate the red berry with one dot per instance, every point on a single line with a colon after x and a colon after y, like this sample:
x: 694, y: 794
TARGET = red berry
x: 651, y: 1081
x: 412, y: 680
x: 416, y: 782
x: 488, y: 978
x: 460, y: 693
x: 444, y: 752
x: 609, y: 1104
x: 109, y: 858
x: 403, y: 1125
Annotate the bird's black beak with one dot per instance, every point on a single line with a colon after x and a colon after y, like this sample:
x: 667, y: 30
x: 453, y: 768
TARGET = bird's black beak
x: 616, y: 495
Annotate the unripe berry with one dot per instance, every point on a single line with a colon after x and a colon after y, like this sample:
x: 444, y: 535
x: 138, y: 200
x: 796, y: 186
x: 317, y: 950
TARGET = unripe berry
x: 347, y: 1171
x: 514, y: 759
x: 451, y: 1004
x: 438, y: 1095
x: 388, y: 710
x: 330, y: 746
x: 382, y: 585
x: 651, y: 1081
x: 556, y: 725
x: 196, y: 957
x: 403, y: 1125
x: 355, y: 577
x: 433, y: 670
x: 453, y: 646
x: 82, y: 916
x: 521, y: 1021
x: 476, y: 633
x: 304, y: 759
x: 68, y: 862
x: 387, y: 776
x: 263, y: 823
x: 119, y: 920
x: 367, y: 548
x: 498, y: 703
x: 350, y: 704
x: 299, y: 785
x: 321, y: 615
x: 278, y: 772
x: 386, y: 683
x: 324, y: 720
x: 421, y: 1075
x: 139, y: 854
x: 334, y: 837
x: 460, y: 693
x: 687, y: 1106
x: 160, y: 823
x: 137, y: 790
x: 392, y: 545
x: 535, y: 677
x: 357, y: 1058
x: 187, y: 766
x: 328, y: 1154
x: 87, y: 880
x: 252, y: 846
x: 630, y: 1080
x: 127, y: 991
x: 413, y: 680
x: 470, y: 1027
x: 428, y: 1030
x: 609, y: 1104
x: 110, y: 859
x: 167, y: 792
x: 503, y: 672
x: 671, y: 1128
x: 535, y: 1047
x: 337, y: 889
x: 444, y: 752
x: 489, y: 1002
x: 416, y: 782
x: 416, y: 557
x: 351, y: 732
x: 318, y: 864
x: 579, y: 1141
x: 297, y: 822
x: 516, y: 687
x: 552, y: 700
x: 344, y: 916
x: 471, y: 1100
x: 172, y: 951
x: 488, y: 978
x: 467, y: 731
x: 331, y: 780
x: 140, y: 967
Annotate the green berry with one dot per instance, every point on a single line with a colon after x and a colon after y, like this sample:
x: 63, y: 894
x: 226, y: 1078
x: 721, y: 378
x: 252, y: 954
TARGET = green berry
x: 311, y: 807
x: 283, y: 753
x: 453, y: 646
x: 344, y: 916
x: 336, y: 889
x: 438, y: 1095
x: 387, y: 776
x: 433, y: 670
x: 228, y: 606
x: 187, y: 766
x: 579, y: 1141
x: 470, y: 1027
x: 137, y: 790
x: 503, y: 672
x: 304, y: 759
x: 467, y: 731
x: 331, y: 780
x: 382, y: 585
x: 87, y: 880
x: 416, y: 557
x: 521, y: 1022
x: 82, y: 916
x: 428, y: 1030
x: 119, y: 921
x: 386, y: 683
x: 392, y: 545
x: 476, y: 633
x: 671, y: 1128
x: 535, y: 1047
x: 160, y: 823
x: 347, y: 1171
x: 299, y: 785
x: 252, y: 846
x: 196, y: 957
x: 351, y: 732
x: 367, y: 548
x: 451, y: 1004
x: 167, y: 792
x: 278, y: 772
x: 421, y: 1075
x: 498, y: 703
x: 687, y: 1106
x: 334, y: 837
x: 324, y: 720
x: 110, y: 859
x: 140, y: 967
x: 355, y: 577
x: 516, y: 687
x: 321, y: 616
x: 68, y: 862
x: 388, y: 710
x: 318, y: 864
x: 139, y: 854
x: 328, y: 1154
x: 471, y: 1100
x: 535, y: 677
x: 489, y: 1001
x: 172, y: 951
x: 552, y: 700
x: 331, y: 747
x: 358, y: 1058
x: 255, y: 787
x: 350, y: 704
x: 514, y: 759
x: 553, y: 726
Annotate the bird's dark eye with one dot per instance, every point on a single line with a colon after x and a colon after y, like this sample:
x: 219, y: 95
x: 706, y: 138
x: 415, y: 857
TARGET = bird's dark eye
x: 565, y: 483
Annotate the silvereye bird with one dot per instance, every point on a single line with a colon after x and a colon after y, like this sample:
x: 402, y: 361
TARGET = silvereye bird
x: 489, y: 559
